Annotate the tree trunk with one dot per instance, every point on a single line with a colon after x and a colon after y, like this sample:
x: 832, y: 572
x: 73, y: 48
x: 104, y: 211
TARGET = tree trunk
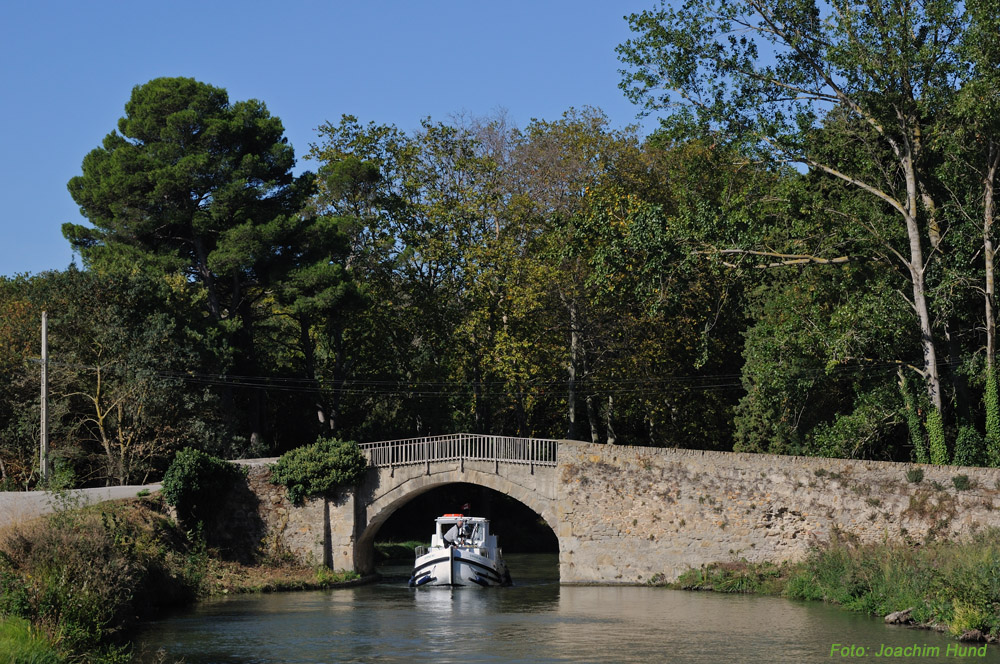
x: 573, y: 431
x: 341, y: 368
x: 932, y: 378
x: 963, y: 396
x: 207, y: 278
x: 990, y: 395
x: 521, y: 414
x: 612, y: 438
x: 989, y: 210
x: 479, y: 423
x: 247, y: 365
x: 309, y: 368
x: 595, y: 433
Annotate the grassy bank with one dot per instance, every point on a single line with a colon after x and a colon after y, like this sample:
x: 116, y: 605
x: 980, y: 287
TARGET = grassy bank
x: 225, y: 577
x: 81, y: 576
x: 21, y: 643
x: 945, y: 585
x: 73, y: 582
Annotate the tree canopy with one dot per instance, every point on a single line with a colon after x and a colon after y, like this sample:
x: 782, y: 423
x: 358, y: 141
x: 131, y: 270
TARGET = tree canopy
x: 799, y: 260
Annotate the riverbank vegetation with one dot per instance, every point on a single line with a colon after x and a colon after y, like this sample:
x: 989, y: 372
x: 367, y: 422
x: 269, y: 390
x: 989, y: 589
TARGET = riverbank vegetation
x: 83, y: 575
x: 397, y: 550
x: 226, y: 577
x: 21, y: 643
x: 74, y: 582
x: 954, y: 586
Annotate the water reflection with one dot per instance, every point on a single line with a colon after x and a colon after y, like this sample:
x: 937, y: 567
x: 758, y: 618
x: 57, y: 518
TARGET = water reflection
x: 535, y: 621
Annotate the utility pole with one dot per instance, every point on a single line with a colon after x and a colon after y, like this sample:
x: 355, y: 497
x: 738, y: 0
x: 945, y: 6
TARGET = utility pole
x: 44, y: 452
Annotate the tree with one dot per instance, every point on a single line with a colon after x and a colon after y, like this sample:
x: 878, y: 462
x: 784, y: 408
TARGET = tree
x: 677, y: 317
x: 20, y: 318
x: 317, y: 291
x: 124, y: 390
x: 194, y: 184
x: 559, y: 162
x: 970, y: 174
x: 875, y: 74
x: 406, y: 206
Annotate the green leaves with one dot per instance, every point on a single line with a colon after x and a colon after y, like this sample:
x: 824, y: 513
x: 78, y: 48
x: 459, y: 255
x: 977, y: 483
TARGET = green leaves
x: 319, y: 469
x: 188, y: 174
x: 192, y: 183
x: 196, y: 482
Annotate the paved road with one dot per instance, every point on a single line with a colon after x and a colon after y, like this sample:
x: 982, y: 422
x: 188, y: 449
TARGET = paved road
x: 19, y: 505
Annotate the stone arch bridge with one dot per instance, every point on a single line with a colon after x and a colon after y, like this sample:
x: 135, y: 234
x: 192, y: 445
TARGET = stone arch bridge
x: 635, y: 514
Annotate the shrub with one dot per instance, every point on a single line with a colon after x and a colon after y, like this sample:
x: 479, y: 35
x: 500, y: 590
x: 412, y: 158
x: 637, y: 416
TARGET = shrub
x: 319, y: 469
x: 967, y: 617
x: 736, y: 577
x: 992, y: 400
x: 82, y: 575
x: 915, y: 475
x: 913, y: 423
x: 396, y: 550
x: 195, y: 482
x: 968, y: 447
x: 961, y: 482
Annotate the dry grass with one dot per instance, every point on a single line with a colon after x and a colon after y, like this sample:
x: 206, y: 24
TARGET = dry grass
x: 227, y: 577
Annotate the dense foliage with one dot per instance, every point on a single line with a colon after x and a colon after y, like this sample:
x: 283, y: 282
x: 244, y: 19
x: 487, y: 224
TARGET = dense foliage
x: 84, y: 575
x: 20, y: 640
x: 799, y: 260
x: 196, y: 482
x: 319, y: 469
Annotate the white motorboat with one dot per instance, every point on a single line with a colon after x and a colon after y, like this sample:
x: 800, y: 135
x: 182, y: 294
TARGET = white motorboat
x: 462, y: 553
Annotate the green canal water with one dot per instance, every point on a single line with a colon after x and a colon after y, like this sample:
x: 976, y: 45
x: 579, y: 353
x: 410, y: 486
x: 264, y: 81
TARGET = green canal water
x: 537, y: 620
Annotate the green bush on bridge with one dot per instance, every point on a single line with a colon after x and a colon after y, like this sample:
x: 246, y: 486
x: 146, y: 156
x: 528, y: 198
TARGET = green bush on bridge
x: 195, y: 482
x: 319, y: 469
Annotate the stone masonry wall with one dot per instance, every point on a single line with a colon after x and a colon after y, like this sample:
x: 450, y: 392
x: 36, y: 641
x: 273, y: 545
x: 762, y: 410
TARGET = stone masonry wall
x: 261, y: 521
x: 629, y: 513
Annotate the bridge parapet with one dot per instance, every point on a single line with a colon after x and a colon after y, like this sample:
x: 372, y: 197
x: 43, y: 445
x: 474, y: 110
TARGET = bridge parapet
x: 462, y: 447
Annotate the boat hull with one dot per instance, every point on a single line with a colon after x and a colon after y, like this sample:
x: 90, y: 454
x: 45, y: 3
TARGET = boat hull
x: 456, y: 566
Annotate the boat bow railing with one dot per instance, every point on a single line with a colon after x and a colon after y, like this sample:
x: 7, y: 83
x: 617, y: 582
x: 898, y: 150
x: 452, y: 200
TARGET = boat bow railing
x: 462, y: 447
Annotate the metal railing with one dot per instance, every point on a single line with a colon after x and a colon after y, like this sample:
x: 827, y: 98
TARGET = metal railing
x: 462, y: 447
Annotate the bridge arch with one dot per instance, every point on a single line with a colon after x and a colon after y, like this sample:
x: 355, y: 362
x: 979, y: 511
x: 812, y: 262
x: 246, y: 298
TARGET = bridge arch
x: 526, y: 475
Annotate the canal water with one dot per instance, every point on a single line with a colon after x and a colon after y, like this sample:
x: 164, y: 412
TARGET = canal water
x: 537, y: 620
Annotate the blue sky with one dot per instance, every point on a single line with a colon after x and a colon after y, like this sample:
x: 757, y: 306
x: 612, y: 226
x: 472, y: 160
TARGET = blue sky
x: 67, y: 69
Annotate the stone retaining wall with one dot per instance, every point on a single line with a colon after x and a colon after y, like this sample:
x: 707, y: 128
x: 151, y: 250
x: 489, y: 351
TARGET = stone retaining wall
x: 258, y: 520
x: 631, y: 513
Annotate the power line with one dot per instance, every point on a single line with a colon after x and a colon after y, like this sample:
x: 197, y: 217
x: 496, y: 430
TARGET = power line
x: 646, y: 386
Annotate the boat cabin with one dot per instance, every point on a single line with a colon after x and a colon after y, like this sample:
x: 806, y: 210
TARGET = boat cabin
x: 474, y: 533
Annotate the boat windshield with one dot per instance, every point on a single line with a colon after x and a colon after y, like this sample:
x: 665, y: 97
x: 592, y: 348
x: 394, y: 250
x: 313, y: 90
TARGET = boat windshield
x: 470, y: 530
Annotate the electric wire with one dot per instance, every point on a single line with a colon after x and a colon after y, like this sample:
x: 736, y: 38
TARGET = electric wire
x: 609, y: 386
